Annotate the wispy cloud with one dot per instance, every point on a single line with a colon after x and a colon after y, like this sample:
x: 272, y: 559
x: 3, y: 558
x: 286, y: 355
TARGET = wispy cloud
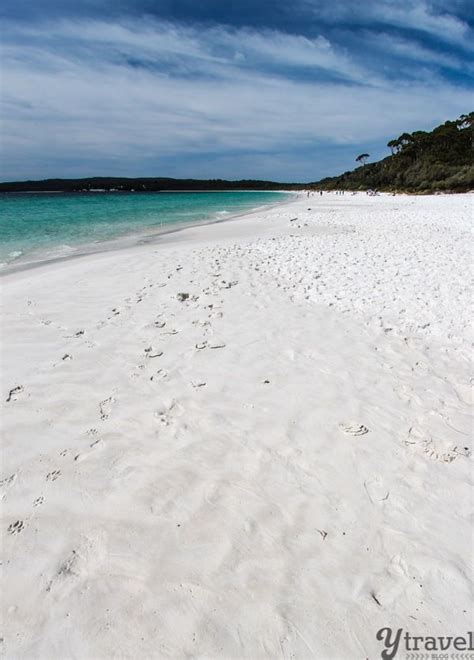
x: 201, y: 50
x: 414, y: 15
x: 406, y: 49
x: 130, y: 95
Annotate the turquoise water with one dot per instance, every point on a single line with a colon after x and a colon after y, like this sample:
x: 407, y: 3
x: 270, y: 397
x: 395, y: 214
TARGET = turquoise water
x: 42, y: 226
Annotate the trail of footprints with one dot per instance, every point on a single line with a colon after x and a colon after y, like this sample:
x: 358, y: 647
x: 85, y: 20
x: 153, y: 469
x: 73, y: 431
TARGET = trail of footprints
x: 18, y: 526
x: 116, y: 311
x: 165, y: 415
x: 263, y: 263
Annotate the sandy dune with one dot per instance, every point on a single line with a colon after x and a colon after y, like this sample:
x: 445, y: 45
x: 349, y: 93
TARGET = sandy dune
x: 274, y: 465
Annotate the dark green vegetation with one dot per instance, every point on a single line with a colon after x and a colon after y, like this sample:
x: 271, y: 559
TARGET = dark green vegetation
x: 121, y: 184
x: 421, y: 162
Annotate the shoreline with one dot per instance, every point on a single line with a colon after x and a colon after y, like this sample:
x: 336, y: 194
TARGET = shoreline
x: 134, y: 239
x: 152, y: 192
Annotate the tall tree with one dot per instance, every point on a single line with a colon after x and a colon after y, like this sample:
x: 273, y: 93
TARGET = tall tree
x: 362, y: 158
x: 394, y: 146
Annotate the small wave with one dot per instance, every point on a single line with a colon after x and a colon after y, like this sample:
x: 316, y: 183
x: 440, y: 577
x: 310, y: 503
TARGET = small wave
x: 184, y: 213
x: 15, y: 254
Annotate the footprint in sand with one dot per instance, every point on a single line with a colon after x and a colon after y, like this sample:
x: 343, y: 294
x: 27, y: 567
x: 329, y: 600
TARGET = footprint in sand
x: 13, y: 393
x: 376, y: 490
x: 164, y: 418
x: 114, y: 312
x: 79, y: 333
x: 228, y: 285
x: 151, y: 352
x: 217, y: 344
x: 66, y: 570
x: 433, y: 445
x: 5, y: 484
x: 168, y: 412
x: 105, y: 407
x: 16, y: 527
x: 97, y: 444
x: 52, y: 476
x: 7, y: 481
x: 38, y: 501
x: 352, y: 428
x: 161, y: 374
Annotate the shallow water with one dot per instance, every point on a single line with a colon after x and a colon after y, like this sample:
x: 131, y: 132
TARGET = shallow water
x: 42, y: 226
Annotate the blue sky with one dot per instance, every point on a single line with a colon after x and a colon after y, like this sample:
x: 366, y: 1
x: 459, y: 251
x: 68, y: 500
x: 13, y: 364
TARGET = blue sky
x: 224, y: 89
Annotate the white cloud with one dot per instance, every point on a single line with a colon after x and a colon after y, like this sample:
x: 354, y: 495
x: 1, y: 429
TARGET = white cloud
x: 73, y: 92
x: 410, y: 50
x: 410, y: 14
x: 420, y: 16
x: 207, y: 49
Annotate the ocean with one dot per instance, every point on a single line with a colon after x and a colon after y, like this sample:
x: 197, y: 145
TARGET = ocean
x: 38, y: 227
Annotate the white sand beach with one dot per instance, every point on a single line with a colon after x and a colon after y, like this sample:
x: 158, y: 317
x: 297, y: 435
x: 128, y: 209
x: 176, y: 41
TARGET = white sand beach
x: 246, y: 440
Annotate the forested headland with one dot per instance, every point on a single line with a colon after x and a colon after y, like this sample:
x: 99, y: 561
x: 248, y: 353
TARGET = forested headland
x: 440, y: 160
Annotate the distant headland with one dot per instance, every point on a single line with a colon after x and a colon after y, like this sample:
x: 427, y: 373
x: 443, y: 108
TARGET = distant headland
x: 142, y: 184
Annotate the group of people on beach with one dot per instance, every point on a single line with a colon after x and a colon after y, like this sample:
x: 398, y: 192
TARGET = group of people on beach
x: 370, y: 191
x: 315, y: 192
